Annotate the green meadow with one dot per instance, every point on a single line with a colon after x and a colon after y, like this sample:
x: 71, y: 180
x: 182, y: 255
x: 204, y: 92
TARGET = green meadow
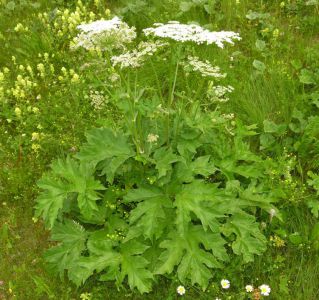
x: 159, y: 149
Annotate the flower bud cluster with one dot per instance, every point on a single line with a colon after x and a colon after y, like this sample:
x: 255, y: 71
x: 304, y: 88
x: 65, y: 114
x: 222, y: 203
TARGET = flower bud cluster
x: 66, y: 21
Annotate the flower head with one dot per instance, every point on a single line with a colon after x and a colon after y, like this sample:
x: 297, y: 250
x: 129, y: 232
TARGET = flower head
x: 181, y: 290
x: 225, y: 283
x: 96, y: 35
x: 265, y: 289
x: 249, y: 288
x: 191, y: 33
x: 152, y: 138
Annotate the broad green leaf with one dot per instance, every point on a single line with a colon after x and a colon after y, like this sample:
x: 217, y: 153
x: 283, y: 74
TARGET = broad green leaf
x: 103, y: 144
x: 194, y: 262
x: 314, y: 206
x: 203, y: 166
x: 67, y: 177
x: 143, y: 193
x: 50, y: 202
x: 134, y: 266
x: 72, y: 237
x: 198, y: 198
x: 150, y: 215
x: 271, y: 127
x: 249, y: 240
x: 127, y: 261
x: 185, y: 6
x: 164, y: 159
x: 307, y: 77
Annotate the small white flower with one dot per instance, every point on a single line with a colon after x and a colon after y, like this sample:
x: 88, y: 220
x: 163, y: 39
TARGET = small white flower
x: 272, y: 212
x: 181, y: 290
x: 152, y: 138
x: 249, y: 288
x: 225, y: 283
x: 265, y: 289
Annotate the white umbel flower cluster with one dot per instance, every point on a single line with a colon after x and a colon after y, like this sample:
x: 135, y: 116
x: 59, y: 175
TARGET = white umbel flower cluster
x: 205, y: 68
x: 219, y: 93
x: 191, y: 33
x: 98, y: 100
x: 102, y: 34
x: 136, y: 58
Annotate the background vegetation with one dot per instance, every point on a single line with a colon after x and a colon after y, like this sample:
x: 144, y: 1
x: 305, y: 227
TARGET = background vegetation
x: 46, y: 109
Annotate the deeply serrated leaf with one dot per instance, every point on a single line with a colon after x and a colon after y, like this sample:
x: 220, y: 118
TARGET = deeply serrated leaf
x: 249, y: 240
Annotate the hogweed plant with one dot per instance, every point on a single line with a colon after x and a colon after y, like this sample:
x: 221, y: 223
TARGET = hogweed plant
x: 173, y: 189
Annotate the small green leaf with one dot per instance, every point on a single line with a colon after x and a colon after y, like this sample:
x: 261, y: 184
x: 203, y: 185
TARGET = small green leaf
x: 295, y: 238
x: 260, y: 45
x: 271, y: 127
x: 258, y: 65
x: 307, y: 77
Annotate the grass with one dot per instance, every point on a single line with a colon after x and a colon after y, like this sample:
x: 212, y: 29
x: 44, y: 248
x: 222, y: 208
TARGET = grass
x: 65, y: 115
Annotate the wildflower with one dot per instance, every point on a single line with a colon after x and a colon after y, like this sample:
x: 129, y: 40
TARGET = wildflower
x: 85, y: 296
x: 97, y: 33
x: 272, y: 213
x: 277, y: 241
x: 219, y: 93
x: 249, y: 288
x: 152, y: 138
x: 275, y: 33
x: 35, y: 136
x: 135, y: 58
x: 19, y: 28
x: 265, y: 289
x: 35, y: 109
x: 191, y: 33
x: 203, y: 67
x: 41, y: 68
x: 17, y: 111
x: 181, y: 290
x: 225, y: 283
x: 114, y: 77
x: 35, y: 147
x: 98, y: 100
x: 75, y: 78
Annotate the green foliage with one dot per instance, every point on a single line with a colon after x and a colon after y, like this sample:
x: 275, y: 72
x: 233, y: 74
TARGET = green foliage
x: 133, y: 201
x: 175, y: 201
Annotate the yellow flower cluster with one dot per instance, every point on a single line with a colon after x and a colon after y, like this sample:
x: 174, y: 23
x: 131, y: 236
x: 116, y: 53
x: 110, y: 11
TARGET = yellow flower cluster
x: 20, y: 28
x: 68, y: 75
x: 277, y: 241
x: 65, y: 22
